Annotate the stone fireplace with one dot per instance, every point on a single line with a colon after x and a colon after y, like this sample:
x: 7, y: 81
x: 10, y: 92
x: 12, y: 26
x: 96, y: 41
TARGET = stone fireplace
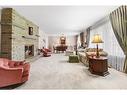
x: 19, y: 36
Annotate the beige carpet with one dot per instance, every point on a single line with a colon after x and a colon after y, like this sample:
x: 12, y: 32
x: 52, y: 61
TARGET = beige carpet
x: 56, y: 73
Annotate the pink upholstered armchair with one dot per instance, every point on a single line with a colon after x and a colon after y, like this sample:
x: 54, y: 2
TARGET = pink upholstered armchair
x: 46, y: 52
x: 13, y: 72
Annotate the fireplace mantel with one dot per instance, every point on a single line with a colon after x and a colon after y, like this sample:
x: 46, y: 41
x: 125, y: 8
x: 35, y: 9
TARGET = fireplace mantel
x: 26, y: 37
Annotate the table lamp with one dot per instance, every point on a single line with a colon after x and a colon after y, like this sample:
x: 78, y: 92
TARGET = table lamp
x: 97, y: 39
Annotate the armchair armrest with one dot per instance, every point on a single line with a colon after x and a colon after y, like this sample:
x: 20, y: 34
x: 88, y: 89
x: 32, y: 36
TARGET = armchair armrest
x: 13, y: 69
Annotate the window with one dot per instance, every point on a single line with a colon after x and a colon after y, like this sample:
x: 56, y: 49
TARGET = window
x: 78, y: 42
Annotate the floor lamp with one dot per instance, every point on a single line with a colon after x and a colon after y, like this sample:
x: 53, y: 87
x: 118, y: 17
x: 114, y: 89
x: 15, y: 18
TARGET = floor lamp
x: 97, y: 39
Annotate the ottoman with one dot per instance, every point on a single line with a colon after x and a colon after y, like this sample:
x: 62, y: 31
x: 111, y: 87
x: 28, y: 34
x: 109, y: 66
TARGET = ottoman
x: 73, y: 59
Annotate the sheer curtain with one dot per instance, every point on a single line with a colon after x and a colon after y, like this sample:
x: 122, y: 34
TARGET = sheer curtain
x: 115, y: 54
x: 87, y: 36
x: 78, y: 41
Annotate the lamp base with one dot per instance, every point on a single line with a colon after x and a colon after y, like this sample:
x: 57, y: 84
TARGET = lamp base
x: 97, y: 56
x: 97, y: 53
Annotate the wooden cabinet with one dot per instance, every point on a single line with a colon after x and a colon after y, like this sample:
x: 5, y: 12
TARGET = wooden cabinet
x: 98, y: 66
x: 61, y: 48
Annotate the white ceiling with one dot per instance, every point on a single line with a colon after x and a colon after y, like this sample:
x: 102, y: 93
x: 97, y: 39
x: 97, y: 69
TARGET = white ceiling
x: 57, y: 20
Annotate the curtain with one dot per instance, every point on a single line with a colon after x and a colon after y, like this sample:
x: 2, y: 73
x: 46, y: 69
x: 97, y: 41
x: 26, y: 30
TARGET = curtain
x: 88, y: 36
x: 111, y: 46
x: 78, y: 41
x: 118, y: 20
x: 82, y: 38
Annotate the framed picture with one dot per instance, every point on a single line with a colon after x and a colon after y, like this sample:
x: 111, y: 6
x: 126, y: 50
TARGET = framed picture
x: 30, y: 30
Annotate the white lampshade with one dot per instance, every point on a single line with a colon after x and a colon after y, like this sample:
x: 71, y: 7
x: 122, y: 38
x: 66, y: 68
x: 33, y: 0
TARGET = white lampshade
x: 97, y: 39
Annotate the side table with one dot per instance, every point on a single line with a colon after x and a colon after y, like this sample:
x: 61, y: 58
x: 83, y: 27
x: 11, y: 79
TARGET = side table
x: 98, y: 66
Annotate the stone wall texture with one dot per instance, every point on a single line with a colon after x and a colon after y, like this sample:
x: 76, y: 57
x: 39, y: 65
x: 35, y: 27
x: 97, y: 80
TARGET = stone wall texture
x: 15, y: 35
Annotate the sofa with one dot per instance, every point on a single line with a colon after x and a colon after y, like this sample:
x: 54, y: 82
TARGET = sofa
x: 83, y: 55
x: 13, y: 72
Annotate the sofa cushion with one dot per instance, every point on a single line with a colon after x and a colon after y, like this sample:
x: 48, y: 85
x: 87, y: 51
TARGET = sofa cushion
x: 81, y: 50
x: 90, y: 53
x: 102, y: 53
x: 93, y: 50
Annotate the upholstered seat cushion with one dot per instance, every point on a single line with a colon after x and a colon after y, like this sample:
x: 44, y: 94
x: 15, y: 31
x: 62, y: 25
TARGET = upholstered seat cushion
x: 92, y: 50
x: 90, y: 53
x: 81, y: 50
x: 102, y: 53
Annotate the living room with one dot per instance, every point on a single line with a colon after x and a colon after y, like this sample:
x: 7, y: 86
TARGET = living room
x: 67, y: 45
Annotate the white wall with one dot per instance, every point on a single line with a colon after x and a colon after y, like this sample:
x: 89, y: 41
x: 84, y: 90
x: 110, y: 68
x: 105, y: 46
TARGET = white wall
x: 43, y: 37
x: 55, y: 40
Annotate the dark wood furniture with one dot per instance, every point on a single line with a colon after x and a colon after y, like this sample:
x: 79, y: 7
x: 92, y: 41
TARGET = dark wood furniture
x: 98, y: 66
x: 61, y: 48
